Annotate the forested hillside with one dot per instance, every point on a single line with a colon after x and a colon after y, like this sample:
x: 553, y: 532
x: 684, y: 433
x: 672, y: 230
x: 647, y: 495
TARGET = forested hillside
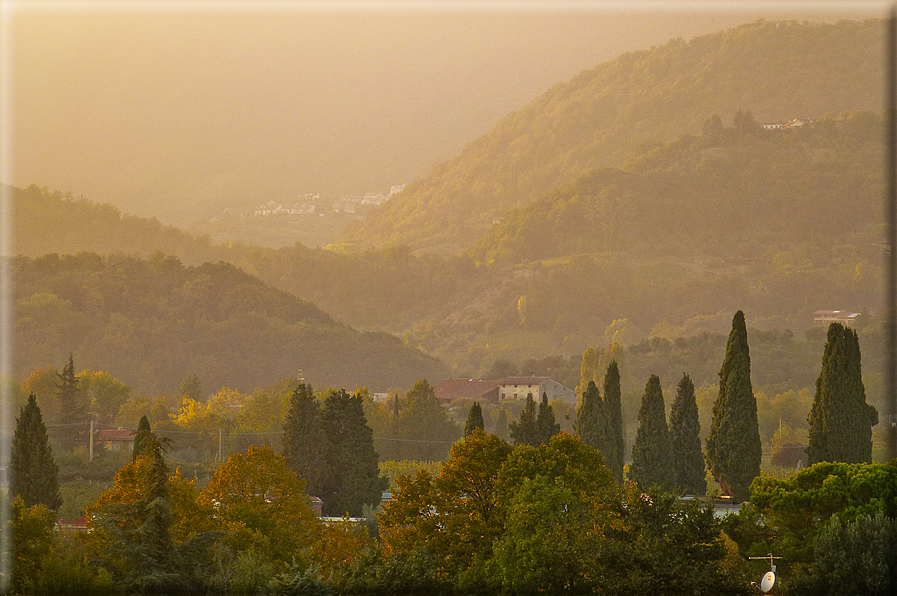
x: 154, y: 322
x: 777, y: 71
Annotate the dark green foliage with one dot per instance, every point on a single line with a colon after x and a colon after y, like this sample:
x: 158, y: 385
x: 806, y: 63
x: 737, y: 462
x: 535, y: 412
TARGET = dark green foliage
x: 665, y: 546
x: 532, y: 428
x: 352, y: 479
x: 34, y: 474
x: 685, y: 441
x: 524, y: 431
x: 422, y: 429
x: 303, y: 439
x: 855, y: 557
x: 651, y: 450
x: 144, y: 430
x: 593, y: 424
x: 474, y: 419
x: 840, y: 419
x: 734, y: 448
x: 72, y: 409
x: 546, y: 425
x: 614, y: 408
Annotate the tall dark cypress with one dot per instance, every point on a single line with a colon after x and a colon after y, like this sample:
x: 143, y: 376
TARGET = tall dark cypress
x: 546, y: 426
x: 651, y: 450
x: 524, y: 431
x: 352, y: 479
x: 614, y: 407
x: 840, y: 419
x: 734, y: 449
x: 685, y: 440
x: 140, y: 437
x: 593, y: 426
x: 303, y: 439
x: 35, y: 476
x: 474, y: 420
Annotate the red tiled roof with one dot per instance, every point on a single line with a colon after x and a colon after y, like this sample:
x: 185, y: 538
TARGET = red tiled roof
x: 463, y: 388
x: 119, y: 434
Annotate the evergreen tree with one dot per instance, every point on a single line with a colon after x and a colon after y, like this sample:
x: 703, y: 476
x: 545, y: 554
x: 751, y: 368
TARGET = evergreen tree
x: 191, y: 388
x: 501, y: 424
x: 72, y: 410
x: 34, y: 473
x: 592, y: 423
x: 140, y: 437
x: 303, y: 439
x: 651, y: 450
x: 546, y: 427
x: 614, y: 407
x: 352, y: 479
x: 685, y: 441
x: 523, y: 431
x: 734, y: 449
x: 474, y: 420
x: 840, y: 419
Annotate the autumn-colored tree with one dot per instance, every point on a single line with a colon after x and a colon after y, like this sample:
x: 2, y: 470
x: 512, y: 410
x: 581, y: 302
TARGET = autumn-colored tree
x: 258, y: 491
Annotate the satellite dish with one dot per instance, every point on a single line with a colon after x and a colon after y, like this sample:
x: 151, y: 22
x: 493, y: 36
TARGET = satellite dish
x: 768, y: 580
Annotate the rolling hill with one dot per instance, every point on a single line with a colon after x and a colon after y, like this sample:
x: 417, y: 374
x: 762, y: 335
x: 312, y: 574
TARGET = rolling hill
x: 775, y: 70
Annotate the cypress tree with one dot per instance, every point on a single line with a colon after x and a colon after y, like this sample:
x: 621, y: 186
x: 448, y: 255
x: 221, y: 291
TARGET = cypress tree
x: 840, y: 419
x: 614, y: 407
x: 523, y: 431
x: 685, y: 441
x: 352, y: 479
x: 140, y: 437
x: 651, y: 450
x: 592, y: 424
x: 35, y: 476
x: 734, y: 449
x: 546, y: 427
x: 303, y: 439
x: 501, y: 424
x: 474, y: 420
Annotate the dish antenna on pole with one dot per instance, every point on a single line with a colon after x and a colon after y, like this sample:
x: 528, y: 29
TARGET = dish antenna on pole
x: 769, y: 578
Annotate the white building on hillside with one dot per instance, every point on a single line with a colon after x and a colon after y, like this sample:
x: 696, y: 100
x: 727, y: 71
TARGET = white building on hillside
x: 516, y: 388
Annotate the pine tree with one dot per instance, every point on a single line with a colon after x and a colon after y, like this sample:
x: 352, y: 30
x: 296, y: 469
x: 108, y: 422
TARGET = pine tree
x: 734, y: 449
x: 303, y: 439
x: 353, y: 478
x: 593, y: 425
x: 523, y: 431
x: 140, y: 437
x: 685, y: 441
x: 501, y: 424
x: 840, y: 419
x: 34, y: 473
x: 474, y: 420
x: 546, y: 427
x: 651, y: 450
x: 614, y: 408
x: 71, y: 407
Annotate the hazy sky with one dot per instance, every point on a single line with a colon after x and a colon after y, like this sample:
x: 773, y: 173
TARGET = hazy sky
x: 164, y: 107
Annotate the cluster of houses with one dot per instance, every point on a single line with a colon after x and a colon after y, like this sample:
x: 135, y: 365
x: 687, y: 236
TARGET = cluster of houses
x: 311, y: 204
x: 796, y: 123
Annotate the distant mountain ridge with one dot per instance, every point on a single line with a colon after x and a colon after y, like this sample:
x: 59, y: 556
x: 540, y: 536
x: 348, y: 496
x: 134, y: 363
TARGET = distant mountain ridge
x: 776, y: 70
